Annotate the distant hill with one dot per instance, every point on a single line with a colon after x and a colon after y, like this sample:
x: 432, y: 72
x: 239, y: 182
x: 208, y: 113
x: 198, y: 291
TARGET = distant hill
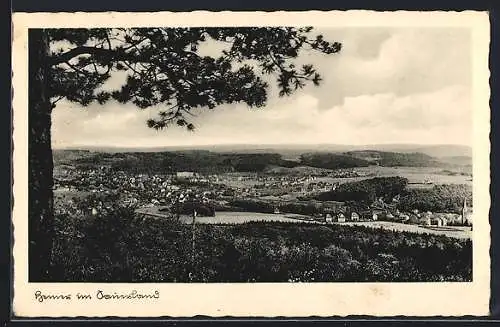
x: 62, y: 157
x: 226, y: 158
x: 292, y: 151
x: 392, y: 159
x: 439, y: 151
x: 364, y: 158
x: 168, y: 162
x: 457, y: 160
x: 372, y: 156
x: 332, y: 160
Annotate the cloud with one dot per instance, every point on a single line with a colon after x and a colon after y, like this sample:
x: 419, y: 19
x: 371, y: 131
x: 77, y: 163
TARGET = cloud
x: 386, y: 86
x: 409, y: 61
x: 378, y: 118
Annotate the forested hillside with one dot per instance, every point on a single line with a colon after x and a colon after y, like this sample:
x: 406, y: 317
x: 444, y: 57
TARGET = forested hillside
x: 440, y: 198
x: 205, y: 161
x: 367, y: 190
x: 332, y: 160
x: 169, y: 162
x: 392, y: 159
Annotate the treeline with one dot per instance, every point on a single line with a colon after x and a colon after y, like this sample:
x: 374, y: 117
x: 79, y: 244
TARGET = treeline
x: 367, y: 190
x: 122, y: 248
x: 255, y: 162
x: 297, y: 207
x: 204, y: 161
x: 440, y: 198
x: 355, y: 159
x: 331, y: 161
x: 196, y: 161
x: 417, y: 159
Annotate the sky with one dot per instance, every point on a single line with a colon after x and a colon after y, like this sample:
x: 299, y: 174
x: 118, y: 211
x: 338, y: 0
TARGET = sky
x: 386, y: 86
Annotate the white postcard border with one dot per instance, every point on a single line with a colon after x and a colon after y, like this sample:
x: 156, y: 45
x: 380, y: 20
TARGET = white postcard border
x: 259, y: 299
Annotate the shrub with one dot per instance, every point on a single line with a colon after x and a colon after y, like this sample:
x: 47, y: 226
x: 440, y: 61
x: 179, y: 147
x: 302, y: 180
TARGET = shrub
x: 120, y: 246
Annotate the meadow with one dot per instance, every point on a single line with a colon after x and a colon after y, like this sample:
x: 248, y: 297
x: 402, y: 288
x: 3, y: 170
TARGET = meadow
x: 413, y: 174
x: 228, y: 217
x: 235, y: 217
x: 462, y: 232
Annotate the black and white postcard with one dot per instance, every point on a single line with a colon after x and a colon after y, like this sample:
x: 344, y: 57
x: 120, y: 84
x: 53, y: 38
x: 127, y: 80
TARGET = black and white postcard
x: 251, y: 164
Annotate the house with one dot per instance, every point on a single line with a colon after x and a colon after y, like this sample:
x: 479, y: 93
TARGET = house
x: 341, y: 218
x: 333, y: 206
x: 366, y: 215
x: 438, y: 222
x: 404, y: 217
x: 453, y: 218
x: 329, y: 218
x: 354, y: 216
x: 185, y: 174
x: 377, y: 214
x: 276, y: 210
x: 378, y: 204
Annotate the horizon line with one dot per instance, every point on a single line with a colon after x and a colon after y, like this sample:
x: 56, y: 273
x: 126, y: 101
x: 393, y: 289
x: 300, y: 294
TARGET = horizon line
x: 251, y: 144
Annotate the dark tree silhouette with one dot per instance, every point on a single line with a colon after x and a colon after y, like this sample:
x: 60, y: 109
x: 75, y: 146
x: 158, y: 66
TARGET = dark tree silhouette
x: 164, y: 68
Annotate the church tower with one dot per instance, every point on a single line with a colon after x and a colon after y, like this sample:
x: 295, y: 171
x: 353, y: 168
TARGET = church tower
x: 464, y: 212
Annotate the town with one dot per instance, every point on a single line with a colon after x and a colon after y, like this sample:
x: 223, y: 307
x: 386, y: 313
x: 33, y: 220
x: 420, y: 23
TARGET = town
x: 188, y: 193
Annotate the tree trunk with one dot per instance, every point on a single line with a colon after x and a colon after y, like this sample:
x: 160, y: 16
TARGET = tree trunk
x: 40, y: 194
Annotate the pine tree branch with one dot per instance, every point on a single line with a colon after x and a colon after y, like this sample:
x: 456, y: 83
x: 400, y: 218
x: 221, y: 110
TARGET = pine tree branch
x: 78, y: 70
x: 68, y: 55
x: 53, y: 103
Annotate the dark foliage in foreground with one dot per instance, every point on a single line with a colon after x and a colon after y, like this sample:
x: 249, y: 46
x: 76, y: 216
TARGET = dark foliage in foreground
x: 121, y: 247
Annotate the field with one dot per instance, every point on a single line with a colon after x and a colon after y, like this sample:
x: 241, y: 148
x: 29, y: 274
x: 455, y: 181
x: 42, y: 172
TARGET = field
x: 245, y: 217
x: 229, y: 217
x: 450, y: 231
x: 413, y: 174
x: 237, y: 180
